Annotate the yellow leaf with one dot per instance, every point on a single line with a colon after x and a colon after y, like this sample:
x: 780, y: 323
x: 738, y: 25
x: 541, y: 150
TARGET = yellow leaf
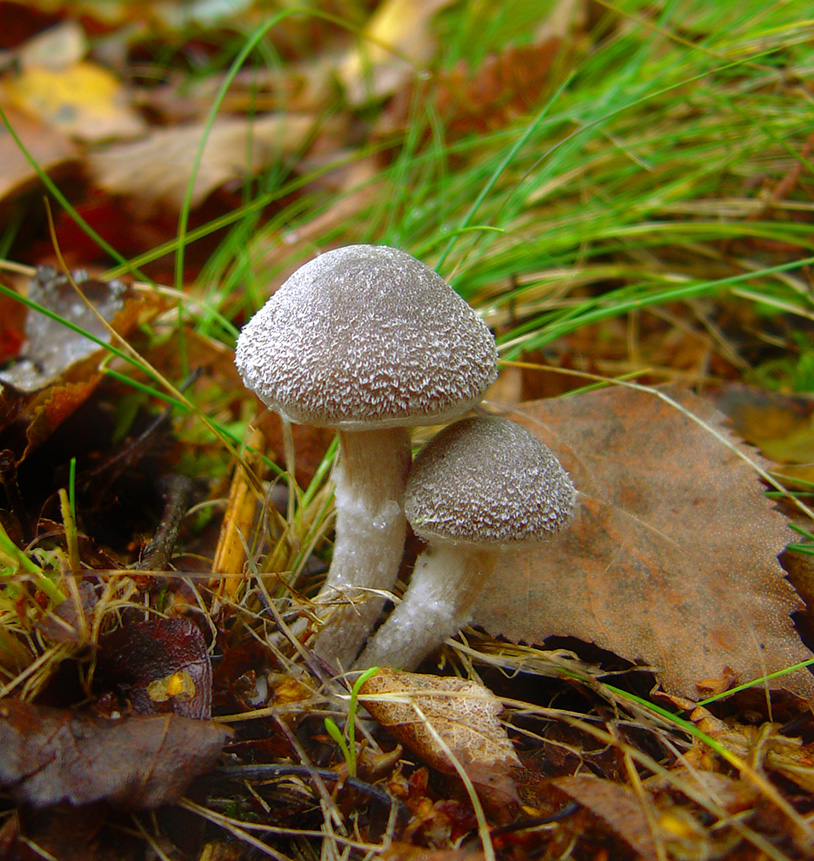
x: 84, y: 101
x: 394, y: 44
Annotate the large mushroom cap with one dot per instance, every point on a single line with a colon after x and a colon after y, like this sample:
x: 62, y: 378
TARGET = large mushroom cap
x: 367, y: 335
x: 488, y: 481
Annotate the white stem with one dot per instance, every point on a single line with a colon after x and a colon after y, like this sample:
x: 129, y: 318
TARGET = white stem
x: 370, y: 528
x: 438, y: 602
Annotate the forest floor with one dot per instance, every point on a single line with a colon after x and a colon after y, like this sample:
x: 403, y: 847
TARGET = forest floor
x: 624, y: 193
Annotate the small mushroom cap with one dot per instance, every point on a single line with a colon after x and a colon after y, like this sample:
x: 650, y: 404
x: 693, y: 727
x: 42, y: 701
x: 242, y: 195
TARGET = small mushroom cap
x: 490, y: 482
x: 367, y: 336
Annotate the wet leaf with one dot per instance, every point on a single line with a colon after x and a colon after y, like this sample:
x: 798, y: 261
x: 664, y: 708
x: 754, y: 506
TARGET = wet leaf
x: 54, y: 755
x: 57, y: 367
x: 671, y: 558
x: 50, y: 348
x: 419, y: 710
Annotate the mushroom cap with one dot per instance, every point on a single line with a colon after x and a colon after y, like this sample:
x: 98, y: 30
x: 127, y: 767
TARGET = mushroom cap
x: 367, y: 336
x: 488, y: 482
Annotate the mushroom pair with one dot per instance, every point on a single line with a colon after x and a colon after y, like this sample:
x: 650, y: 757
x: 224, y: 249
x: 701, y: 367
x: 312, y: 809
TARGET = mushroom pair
x: 370, y: 341
x: 480, y: 487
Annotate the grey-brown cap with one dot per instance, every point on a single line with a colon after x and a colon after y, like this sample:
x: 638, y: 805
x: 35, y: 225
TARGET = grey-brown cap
x: 488, y: 481
x: 367, y: 335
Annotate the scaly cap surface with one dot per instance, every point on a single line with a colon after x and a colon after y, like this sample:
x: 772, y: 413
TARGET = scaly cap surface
x: 367, y: 335
x: 488, y: 481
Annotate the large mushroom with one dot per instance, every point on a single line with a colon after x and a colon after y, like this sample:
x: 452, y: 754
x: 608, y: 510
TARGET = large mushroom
x: 480, y: 487
x: 370, y: 341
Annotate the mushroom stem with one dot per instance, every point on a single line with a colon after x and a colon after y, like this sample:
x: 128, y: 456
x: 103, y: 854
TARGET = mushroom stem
x: 370, y: 476
x: 439, y: 601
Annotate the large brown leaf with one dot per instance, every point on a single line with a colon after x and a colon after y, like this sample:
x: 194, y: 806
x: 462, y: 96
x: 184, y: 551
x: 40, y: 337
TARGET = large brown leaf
x: 671, y: 558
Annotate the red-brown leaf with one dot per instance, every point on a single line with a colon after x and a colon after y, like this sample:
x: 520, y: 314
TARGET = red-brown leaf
x: 164, y: 666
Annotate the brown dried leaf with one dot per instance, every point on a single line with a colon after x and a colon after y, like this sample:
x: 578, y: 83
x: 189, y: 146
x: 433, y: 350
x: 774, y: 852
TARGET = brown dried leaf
x: 353, y: 188
x: 504, y: 86
x: 617, y: 805
x: 671, y: 558
x: 12, y: 321
x: 398, y: 851
x: 310, y: 443
x: 70, y: 621
x: 419, y: 709
x: 57, y: 47
x: 70, y: 834
x: 158, y: 169
x: 780, y: 425
x: 54, y: 755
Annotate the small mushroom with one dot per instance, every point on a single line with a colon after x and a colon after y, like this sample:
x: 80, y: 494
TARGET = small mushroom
x: 480, y: 487
x: 370, y: 341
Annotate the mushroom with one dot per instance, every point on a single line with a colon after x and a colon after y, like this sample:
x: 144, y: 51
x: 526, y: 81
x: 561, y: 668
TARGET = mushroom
x: 370, y: 341
x: 480, y: 487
